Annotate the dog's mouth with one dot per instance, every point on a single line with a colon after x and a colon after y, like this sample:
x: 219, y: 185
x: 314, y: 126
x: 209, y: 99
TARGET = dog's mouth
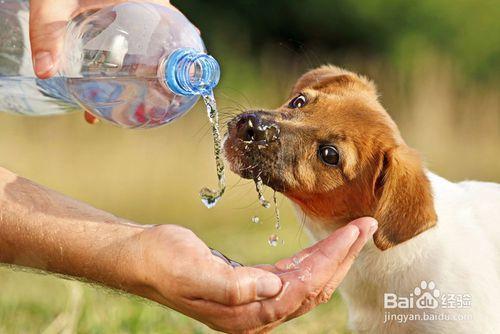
x: 253, y: 148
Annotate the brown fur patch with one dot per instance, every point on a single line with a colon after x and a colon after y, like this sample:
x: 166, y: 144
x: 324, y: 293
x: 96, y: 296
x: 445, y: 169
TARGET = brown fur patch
x: 329, y: 77
x: 405, y: 205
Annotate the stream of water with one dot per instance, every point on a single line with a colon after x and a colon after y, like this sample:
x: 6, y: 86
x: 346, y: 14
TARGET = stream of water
x: 210, y: 197
x: 273, y: 238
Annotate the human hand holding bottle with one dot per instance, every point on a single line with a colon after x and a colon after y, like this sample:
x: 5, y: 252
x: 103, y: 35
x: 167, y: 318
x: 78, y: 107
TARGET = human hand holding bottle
x: 48, y: 19
x: 101, y: 41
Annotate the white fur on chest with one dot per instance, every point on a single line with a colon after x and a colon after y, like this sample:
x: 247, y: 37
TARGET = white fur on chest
x: 461, y: 255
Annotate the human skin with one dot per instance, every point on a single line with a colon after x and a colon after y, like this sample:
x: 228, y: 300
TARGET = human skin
x: 169, y: 264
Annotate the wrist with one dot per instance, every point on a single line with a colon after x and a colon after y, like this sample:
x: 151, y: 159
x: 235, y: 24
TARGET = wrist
x: 114, y: 261
x: 151, y: 251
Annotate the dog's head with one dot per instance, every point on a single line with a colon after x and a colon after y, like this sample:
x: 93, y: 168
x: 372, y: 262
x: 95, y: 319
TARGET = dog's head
x: 333, y: 150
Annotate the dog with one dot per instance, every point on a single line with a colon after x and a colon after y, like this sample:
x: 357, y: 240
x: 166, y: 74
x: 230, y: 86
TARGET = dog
x: 334, y: 151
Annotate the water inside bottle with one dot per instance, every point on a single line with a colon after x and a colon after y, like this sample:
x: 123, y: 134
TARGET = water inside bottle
x: 210, y: 197
x: 21, y: 95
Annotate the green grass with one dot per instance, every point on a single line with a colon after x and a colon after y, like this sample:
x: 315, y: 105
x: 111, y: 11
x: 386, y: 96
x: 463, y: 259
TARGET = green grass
x: 154, y: 177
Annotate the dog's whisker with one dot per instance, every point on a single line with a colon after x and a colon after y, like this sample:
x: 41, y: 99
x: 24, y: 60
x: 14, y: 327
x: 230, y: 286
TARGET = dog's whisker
x: 242, y: 95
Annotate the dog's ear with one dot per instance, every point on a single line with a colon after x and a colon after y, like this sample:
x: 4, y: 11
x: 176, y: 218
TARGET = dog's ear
x: 405, y: 205
x: 330, y: 78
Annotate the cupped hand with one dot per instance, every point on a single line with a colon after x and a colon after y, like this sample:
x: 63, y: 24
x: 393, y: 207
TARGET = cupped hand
x: 48, y: 20
x: 178, y: 270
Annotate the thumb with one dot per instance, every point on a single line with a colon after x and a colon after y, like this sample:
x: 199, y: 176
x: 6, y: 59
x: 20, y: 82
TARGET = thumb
x: 48, y: 19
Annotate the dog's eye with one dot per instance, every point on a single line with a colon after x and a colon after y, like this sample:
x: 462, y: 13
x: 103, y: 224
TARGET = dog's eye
x: 298, y: 102
x: 329, y: 155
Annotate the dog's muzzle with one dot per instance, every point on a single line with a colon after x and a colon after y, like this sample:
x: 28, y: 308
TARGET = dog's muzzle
x: 255, y: 128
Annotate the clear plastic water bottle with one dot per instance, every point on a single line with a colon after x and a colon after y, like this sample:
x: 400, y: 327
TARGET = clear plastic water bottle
x: 133, y: 64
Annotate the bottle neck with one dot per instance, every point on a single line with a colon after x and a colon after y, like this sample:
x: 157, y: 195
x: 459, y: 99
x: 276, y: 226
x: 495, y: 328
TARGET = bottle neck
x: 189, y: 72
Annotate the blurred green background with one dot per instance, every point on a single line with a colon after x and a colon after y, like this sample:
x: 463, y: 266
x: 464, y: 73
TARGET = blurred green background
x: 436, y: 63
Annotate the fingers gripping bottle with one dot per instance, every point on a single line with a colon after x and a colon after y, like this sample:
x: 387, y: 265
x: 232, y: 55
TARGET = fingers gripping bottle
x: 133, y: 64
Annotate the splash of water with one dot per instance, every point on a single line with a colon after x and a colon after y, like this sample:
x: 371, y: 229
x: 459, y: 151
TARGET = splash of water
x: 256, y: 220
x: 273, y: 240
x: 210, y: 197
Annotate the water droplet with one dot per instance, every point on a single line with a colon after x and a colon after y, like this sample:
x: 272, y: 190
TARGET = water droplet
x: 273, y: 240
x: 255, y: 220
x: 306, y: 275
x: 210, y: 197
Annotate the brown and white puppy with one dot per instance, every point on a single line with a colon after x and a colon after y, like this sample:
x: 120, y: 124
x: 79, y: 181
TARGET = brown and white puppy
x: 334, y: 151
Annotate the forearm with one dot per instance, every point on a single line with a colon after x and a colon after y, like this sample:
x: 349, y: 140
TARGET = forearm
x: 42, y: 229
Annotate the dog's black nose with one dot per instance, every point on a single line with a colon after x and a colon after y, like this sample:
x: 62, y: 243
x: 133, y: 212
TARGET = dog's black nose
x: 252, y: 127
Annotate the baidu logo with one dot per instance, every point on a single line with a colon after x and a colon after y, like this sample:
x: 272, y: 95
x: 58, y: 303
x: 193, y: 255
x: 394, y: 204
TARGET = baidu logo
x: 427, y: 296
x: 428, y: 304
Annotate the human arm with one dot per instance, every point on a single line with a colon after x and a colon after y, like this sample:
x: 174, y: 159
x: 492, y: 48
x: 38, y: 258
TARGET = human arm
x: 169, y: 264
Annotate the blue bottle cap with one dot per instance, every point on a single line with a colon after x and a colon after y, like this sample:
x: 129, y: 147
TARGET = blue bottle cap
x: 189, y: 72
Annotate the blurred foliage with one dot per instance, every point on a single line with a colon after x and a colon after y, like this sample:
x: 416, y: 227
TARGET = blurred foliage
x: 468, y: 31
